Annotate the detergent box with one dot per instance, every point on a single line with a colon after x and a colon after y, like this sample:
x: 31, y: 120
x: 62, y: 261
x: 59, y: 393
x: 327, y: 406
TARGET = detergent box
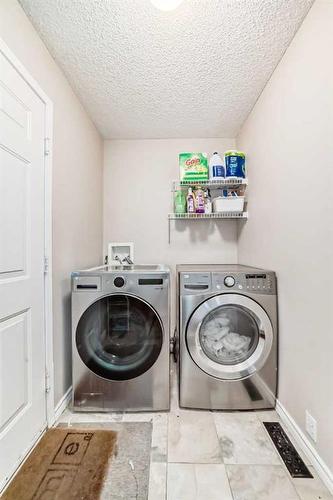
x: 193, y: 166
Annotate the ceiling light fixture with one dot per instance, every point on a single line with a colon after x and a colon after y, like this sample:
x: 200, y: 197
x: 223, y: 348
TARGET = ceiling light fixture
x: 166, y: 4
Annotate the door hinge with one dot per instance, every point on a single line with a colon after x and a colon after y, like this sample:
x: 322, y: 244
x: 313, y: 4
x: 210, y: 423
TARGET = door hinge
x: 47, y: 144
x: 46, y: 264
x: 47, y: 382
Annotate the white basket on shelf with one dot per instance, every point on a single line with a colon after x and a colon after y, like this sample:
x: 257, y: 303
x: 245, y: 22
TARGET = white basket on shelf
x: 228, y: 204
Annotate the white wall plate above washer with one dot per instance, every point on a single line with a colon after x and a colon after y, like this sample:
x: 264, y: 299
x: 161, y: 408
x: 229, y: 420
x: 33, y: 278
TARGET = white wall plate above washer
x: 118, y: 252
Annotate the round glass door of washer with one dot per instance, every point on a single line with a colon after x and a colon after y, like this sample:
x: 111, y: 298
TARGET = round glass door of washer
x: 229, y: 336
x: 119, y: 337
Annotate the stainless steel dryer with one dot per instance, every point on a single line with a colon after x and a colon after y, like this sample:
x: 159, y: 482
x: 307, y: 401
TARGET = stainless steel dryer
x: 227, y: 337
x: 120, y: 338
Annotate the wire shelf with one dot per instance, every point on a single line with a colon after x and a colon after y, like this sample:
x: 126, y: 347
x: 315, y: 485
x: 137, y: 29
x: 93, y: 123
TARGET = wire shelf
x: 215, y: 215
x: 215, y: 183
x: 226, y: 183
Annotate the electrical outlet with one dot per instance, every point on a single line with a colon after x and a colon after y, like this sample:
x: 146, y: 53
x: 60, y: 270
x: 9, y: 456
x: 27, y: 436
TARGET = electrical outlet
x: 311, y: 426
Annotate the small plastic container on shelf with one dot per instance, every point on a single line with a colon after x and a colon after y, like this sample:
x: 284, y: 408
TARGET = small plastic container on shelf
x: 228, y: 204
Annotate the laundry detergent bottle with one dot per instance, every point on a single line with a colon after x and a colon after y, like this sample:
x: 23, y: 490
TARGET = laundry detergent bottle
x: 180, y: 202
x: 235, y: 164
x: 190, y: 203
x: 208, y: 202
x: 216, y: 167
x: 199, y: 201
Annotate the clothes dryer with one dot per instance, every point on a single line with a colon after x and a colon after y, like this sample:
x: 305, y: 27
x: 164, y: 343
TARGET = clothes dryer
x: 228, y: 337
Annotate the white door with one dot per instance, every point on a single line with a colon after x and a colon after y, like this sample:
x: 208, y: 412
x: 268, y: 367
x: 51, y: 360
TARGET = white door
x: 22, y: 342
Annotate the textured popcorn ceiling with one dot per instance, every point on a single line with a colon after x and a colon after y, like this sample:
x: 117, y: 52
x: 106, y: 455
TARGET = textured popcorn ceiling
x: 143, y: 73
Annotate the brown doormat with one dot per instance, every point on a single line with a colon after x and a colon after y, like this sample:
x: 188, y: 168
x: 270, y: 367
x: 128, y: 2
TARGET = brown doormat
x: 66, y: 464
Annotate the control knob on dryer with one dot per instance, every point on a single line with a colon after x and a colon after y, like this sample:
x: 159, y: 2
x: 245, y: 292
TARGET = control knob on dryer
x: 229, y: 281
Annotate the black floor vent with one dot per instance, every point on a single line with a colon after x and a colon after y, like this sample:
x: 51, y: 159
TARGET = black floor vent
x: 287, y: 451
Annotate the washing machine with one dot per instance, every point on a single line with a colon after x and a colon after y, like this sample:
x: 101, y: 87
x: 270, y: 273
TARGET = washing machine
x: 228, y: 337
x: 120, y: 338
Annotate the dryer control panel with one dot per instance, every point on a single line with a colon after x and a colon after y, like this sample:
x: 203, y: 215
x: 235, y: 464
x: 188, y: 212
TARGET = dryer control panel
x: 194, y: 283
x: 263, y: 283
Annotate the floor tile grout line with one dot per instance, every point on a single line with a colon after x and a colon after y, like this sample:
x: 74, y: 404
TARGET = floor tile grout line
x: 226, y: 472
x: 218, y: 439
x: 294, y: 487
x: 202, y: 463
x: 167, y: 458
x: 173, y: 379
x: 256, y: 465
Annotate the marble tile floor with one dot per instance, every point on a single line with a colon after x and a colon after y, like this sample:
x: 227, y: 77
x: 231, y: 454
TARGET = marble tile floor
x: 208, y: 455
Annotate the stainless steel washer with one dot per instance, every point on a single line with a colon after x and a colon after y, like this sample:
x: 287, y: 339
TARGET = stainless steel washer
x: 227, y: 337
x: 120, y: 338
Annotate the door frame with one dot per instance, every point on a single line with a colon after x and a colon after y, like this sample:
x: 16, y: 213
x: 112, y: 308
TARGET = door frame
x: 48, y: 142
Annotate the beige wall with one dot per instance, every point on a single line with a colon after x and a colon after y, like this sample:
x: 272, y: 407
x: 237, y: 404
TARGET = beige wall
x: 289, y: 141
x: 77, y: 179
x: 137, y: 199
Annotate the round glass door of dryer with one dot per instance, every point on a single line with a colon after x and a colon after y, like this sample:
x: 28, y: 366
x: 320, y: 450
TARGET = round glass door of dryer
x: 229, y: 336
x: 119, y: 337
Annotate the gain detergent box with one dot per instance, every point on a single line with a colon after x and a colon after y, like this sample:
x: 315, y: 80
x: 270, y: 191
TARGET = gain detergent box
x: 193, y: 166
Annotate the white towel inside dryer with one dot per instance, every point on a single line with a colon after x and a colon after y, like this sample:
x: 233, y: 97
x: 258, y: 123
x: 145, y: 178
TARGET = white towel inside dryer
x: 225, y: 345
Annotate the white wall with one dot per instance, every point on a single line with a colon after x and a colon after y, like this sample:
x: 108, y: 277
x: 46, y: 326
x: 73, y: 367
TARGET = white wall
x: 77, y: 179
x: 137, y: 198
x: 289, y: 141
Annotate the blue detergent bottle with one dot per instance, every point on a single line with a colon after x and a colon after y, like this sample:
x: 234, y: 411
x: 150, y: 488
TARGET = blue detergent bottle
x: 235, y: 164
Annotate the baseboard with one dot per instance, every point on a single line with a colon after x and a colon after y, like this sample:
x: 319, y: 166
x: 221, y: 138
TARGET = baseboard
x: 306, y: 446
x: 63, y: 403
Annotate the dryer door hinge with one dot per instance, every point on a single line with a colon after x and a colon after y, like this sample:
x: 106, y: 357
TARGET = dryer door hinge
x: 47, y: 144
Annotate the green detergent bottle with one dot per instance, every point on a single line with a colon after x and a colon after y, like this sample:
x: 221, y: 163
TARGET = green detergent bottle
x: 180, y: 202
